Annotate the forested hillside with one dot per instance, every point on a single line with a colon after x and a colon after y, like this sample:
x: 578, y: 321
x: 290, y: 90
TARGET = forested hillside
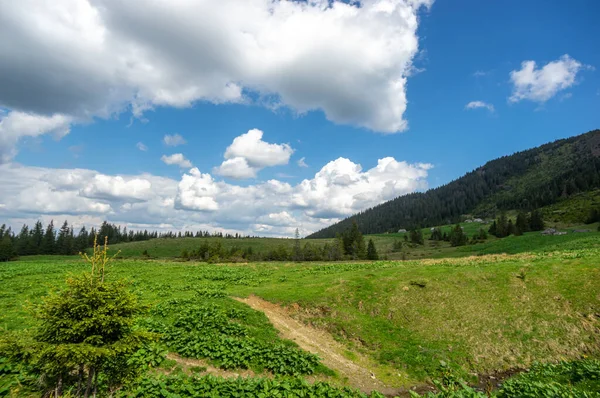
x: 525, y: 180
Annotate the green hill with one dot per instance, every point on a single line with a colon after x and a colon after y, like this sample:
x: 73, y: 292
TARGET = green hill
x: 526, y: 180
x: 529, y: 242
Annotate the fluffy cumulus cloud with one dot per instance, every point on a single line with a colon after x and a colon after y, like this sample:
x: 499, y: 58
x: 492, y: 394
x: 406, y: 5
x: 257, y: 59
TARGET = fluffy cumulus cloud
x: 197, y: 191
x: 341, y: 188
x: 480, y: 104
x: 199, y: 201
x: 95, y: 58
x: 248, y: 154
x: 176, y: 159
x: 541, y: 84
x: 117, y: 188
x: 174, y: 140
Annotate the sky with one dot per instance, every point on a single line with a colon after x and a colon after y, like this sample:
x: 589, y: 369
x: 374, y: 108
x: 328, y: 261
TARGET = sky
x: 263, y: 116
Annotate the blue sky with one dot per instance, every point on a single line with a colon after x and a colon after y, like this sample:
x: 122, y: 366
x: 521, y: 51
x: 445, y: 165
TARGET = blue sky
x: 321, y: 98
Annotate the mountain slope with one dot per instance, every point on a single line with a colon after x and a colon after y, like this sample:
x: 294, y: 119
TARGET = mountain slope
x: 525, y: 180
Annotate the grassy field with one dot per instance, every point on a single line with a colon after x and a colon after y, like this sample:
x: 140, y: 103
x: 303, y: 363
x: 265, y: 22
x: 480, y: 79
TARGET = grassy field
x: 529, y: 242
x: 479, y: 314
x: 169, y: 248
x: 575, y: 209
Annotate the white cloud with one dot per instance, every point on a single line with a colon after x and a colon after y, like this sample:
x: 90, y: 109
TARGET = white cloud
x: 176, y: 159
x: 539, y: 85
x: 302, y: 162
x: 278, y: 219
x: 197, y: 191
x: 95, y: 58
x: 248, y: 154
x: 174, y: 140
x: 117, y: 188
x: 17, y: 125
x: 341, y: 188
x: 257, y: 152
x: 44, y: 191
x: 141, y: 146
x: 237, y: 168
x: 198, y: 201
x: 480, y: 104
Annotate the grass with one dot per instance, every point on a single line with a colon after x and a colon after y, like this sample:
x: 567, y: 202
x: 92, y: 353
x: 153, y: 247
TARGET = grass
x: 530, y: 242
x: 480, y: 314
x: 574, y: 209
x: 170, y: 248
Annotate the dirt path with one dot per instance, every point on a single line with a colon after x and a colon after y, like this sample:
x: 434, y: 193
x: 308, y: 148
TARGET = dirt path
x: 356, y: 373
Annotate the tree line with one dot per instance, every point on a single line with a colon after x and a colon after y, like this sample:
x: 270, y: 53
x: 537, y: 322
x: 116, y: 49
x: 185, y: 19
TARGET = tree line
x: 65, y: 241
x: 525, y: 222
x: 524, y: 181
x: 350, y: 245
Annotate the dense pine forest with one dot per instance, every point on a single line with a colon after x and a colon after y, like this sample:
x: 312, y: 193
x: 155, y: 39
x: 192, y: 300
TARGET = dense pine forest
x: 524, y: 181
x: 65, y: 241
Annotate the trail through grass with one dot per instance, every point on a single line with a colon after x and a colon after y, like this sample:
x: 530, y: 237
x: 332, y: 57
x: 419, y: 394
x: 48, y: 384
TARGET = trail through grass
x: 479, y: 314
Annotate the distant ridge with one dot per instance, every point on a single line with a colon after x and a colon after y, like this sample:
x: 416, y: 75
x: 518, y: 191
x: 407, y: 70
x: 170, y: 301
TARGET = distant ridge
x: 525, y: 180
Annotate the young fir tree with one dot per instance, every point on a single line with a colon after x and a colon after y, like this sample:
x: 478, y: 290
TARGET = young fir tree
x: 458, y: 237
x: 372, y: 251
x: 85, y: 339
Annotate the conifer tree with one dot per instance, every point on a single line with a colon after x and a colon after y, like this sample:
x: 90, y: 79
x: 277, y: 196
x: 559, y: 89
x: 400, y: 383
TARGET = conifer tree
x: 7, y: 250
x: 297, y: 253
x: 49, y: 243
x: 510, y: 228
x: 493, y: 229
x: 64, y: 242
x: 536, y: 221
x: 86, y: 337
x: 416, y: 236
x: 23, y: 246
x: 81, y: 242
x: 354, y: 243
x: 521, y: 224
x: 372, y: 251
x: 457, y: 236
x: 502, y: 226
x: 482, y: 235
x: 37, y: 237
x: 436, y: 234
